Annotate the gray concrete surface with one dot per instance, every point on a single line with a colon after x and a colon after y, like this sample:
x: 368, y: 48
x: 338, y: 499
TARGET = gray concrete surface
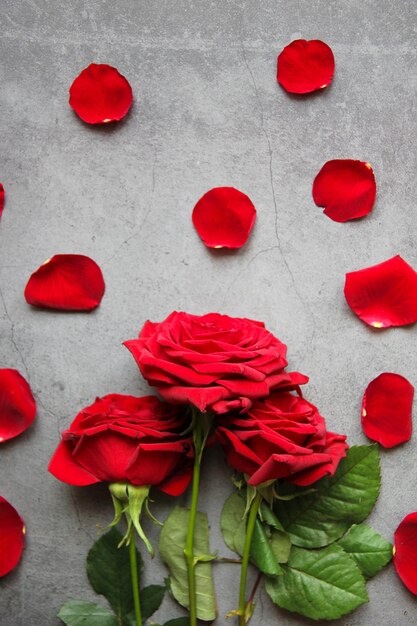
x: 207, y: 112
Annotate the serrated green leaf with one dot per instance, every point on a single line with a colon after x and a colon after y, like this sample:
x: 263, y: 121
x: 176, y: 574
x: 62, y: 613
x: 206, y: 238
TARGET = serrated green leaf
x: 322, y: 584
x: 79, y: 613
x: 108, y: 570
x: 370, y: 551
x: 171, y: 549
x: 150, y: 599
x: 233, y: 523
x: 322, y: 517
x: 261, y: 552
x: 280, y: 545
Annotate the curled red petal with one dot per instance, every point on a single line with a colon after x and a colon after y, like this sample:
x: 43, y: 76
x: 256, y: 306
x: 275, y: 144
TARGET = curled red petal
x: 405, y: 551
x: 386, y: 410
x: 2, y: 196
x: 67, y: 282
x: 385, y: 294
x: 346, y: 188
x: 100, y: 94
x: 305, y: 66
x: 224, y: 218
x: 17, y: 404
x: 12, y: 537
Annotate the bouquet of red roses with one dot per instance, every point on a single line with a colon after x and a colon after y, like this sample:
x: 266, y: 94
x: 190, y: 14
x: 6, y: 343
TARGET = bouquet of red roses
x: 300, y: 495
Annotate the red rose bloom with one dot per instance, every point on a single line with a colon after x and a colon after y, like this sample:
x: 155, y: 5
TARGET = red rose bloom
x: 212, y: 361
x: 282, y: 436
x: 125, y: 439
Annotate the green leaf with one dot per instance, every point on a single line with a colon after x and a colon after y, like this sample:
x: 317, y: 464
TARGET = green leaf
x: 280, y: 545
x: 108, y: 570
x: 322, y: 517
x: 321, y: 584
x: 79, y: 613
x: 233, y: 523
x: 171, y: 549
x: 370, y: 551
x: 268, y: 516
x: 150, y: 599
x: 177, y: 621
x: 261, y: 552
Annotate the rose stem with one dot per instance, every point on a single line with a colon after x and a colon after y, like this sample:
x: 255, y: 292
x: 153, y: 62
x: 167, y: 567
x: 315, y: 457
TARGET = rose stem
x: 135, y: 579
x: 253, y: 513
x: 189, y: 544
x: 254, y: 589
x: 201, y: 429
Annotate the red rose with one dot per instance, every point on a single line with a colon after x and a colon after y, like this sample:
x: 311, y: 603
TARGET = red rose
x: 213, y: 361
x: 282, y: 436
x: 125, y: 439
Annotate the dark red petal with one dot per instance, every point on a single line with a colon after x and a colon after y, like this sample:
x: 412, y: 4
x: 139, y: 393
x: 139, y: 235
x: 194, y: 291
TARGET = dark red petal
x: 385, y: 294
x: 176, y: 484
x: 17, y: 404
x: 224, y: 218
x: 386, y: 410
x: 405, y: 551
x: 305, y: 66
x: 1, y: 199
x: 68, y: 282
x: 346, y: 188
x: 12, y: 536
x: 100, y: 95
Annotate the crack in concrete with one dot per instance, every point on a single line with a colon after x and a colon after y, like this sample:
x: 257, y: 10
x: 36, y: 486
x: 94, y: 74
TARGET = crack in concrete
x: 20, y: 353
x: 141, y: 225
x: 271, y: 181
x: 12, y: 336
x: 77, y: 513
x: 251, y: 260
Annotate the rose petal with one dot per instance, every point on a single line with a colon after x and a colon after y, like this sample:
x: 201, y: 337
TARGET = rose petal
x: 346, y: 188
x: 12, y: 535
x: 67, y: 282
x: 386, y: 410
x: 100, y: 95
x: 305, y: 66
x: 64, y: 467
x: 2, y: 195
x: 17, y: 405
x: 405, y: 551
x: 224, y: 218
x: 385, y: 294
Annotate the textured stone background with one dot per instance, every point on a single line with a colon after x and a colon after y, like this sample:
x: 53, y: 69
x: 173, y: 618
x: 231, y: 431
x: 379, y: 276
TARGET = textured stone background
x: 207, y: 112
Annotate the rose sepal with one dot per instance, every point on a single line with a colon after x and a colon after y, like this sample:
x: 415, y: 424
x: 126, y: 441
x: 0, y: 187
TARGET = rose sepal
x: 129, y: 500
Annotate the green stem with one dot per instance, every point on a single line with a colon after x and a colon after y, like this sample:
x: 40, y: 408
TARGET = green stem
x: 253, y: 513
x: 189, y: 544
x: 135, y: 578
x: 201, y: 424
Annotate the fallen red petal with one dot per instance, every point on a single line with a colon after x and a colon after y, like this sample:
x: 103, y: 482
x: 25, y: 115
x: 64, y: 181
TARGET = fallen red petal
x: 305, y: 66
x: 12, y: 537
x: 385, y: 294
x: 405, y: 551
x: 67, y: 282
x: 17, y: 404
x: 346, y: 188
x: 224, y: 218
x: 386, y: 410
x: 100, y: 95
x: 2, y: 195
